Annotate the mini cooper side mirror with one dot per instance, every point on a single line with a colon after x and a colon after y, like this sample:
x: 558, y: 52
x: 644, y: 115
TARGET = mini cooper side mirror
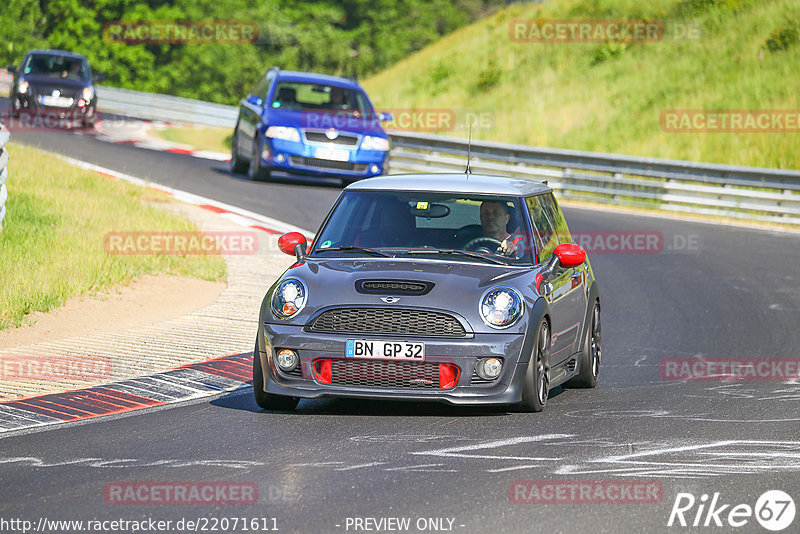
x: 570, y: 255
x: 293, y: 244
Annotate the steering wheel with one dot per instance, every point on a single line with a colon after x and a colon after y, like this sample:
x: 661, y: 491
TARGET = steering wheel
x: 483, y: 243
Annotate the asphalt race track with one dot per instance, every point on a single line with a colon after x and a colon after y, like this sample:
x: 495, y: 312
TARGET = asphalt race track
x: 710, y: 291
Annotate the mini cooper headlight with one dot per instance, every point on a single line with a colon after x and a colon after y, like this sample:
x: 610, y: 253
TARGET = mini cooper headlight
x: 22, y: 86
x: 87, y: 93
x: 289, y: 298
x: 501, y: 307
x: 371, y: 142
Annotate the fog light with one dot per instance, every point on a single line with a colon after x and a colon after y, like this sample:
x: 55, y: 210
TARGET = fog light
x: 490, y: 368
x: 374, y: 169
x: 287, y: 359
x: 265, y: 155
x: 280, y: 158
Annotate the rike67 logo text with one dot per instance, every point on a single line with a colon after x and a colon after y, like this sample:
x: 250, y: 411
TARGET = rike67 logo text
x: 774, y: 510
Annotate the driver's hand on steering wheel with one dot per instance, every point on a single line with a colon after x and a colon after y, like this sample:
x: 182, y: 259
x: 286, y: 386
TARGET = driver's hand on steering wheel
x: 507, y: 247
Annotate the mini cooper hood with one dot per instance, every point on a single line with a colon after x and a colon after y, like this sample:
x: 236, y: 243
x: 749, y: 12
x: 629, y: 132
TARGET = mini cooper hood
x: 334, y: 280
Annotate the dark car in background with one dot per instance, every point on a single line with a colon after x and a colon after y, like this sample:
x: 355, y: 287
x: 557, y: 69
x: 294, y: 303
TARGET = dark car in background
x: 56, y: 84
x: 461, y: 289
x: 309, y: 124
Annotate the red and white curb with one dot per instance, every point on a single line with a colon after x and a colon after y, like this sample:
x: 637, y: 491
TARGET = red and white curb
x: 192, y: 381
x: 120, y: 138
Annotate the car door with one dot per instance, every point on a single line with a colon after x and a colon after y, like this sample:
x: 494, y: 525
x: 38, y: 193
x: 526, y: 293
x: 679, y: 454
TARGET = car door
x: 564, y: 289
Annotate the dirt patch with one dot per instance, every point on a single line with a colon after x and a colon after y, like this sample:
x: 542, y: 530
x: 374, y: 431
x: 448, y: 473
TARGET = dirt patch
x: 149, y: 299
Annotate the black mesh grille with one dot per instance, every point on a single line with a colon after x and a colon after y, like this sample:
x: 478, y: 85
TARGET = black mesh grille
x: 388, y: 321
x: 394, y: 287
x: 342, y: 139
x: 297, y: 372
x: 318, y: 163
x: 386, y: 374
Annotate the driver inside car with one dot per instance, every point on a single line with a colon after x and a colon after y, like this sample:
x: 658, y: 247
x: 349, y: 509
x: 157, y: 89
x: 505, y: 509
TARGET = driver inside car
x: 495, y: 216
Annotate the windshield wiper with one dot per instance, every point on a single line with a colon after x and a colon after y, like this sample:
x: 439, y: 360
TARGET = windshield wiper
x: 356, y: 249
x: 457, y: 253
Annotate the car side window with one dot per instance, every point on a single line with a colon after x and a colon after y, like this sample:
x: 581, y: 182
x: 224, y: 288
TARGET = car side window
x: 543, y: 227
x: 260, y: 89
x: 557, y: 217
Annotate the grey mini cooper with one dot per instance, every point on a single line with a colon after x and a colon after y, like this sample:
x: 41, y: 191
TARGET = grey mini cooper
x: 463, y: 289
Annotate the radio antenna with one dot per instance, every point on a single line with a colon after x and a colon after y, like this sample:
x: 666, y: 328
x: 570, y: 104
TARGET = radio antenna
x: 468, y: 171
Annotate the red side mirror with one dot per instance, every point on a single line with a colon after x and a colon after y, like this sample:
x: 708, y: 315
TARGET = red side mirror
x: 288, y: 243
x: 570, y: 255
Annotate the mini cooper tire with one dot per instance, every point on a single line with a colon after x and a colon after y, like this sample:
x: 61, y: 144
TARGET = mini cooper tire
x: 536, y: 387
x: 236, y: 165
x: 589, y: 370
x: 266, y: 400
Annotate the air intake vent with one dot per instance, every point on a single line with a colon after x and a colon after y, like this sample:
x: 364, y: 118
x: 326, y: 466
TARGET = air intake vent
x: 394, y: 287
x: 571, y: 365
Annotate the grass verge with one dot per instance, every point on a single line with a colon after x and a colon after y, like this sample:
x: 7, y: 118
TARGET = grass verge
x: 200, y: 138
x: 52, y: 242
x: 609, y: 97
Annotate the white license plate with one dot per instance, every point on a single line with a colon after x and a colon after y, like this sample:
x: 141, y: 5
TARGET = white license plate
x: 385, y: 350
x: 333, y: 154
x: 56, y: 101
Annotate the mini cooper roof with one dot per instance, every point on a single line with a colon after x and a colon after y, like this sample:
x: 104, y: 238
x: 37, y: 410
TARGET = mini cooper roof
x: 452, y: 183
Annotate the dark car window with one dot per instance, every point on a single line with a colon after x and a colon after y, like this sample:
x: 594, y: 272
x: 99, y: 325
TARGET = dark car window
x: 320, y: 97
x: 542, y: 220
x: 52, y: 66
x: 260, y: 89
x: 404, y: 223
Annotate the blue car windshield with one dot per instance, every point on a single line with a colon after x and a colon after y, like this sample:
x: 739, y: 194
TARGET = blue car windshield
x: 321, y: 98
x: 452, y: 226
x: 52, y: 66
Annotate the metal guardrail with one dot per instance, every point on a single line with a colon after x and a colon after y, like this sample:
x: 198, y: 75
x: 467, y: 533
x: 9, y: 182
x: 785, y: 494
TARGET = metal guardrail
x: 752, y: 193
x: 151, y: 106
x: 5, y: 135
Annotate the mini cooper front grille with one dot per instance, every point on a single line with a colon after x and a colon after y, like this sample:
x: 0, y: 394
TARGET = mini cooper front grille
x: 318, y: 163
x: 386, y: 374
x: 388, y: 321
x: 321, y: 137
x: 393, y: 287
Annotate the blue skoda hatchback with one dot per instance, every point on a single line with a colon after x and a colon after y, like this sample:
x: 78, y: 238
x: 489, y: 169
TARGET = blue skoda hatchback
x: 309, y: 124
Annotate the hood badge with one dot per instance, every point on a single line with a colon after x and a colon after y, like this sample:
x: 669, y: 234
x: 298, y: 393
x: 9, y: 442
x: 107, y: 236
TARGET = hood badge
x: 390, y: 300
x: 331, y: 134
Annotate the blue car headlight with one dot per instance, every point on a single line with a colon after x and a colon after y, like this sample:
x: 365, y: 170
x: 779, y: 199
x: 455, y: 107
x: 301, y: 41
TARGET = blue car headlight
x: 289, y: 298
x: 501, y: 307
x: 371, y: 142
x: 284, y: 132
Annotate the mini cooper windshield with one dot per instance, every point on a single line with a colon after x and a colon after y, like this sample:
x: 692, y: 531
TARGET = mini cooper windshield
x: 452, y: 226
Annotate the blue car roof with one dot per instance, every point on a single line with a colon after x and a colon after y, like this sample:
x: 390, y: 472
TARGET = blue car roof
x: 294, y: 76
x: 56, y: 53
x: 452, y: 183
